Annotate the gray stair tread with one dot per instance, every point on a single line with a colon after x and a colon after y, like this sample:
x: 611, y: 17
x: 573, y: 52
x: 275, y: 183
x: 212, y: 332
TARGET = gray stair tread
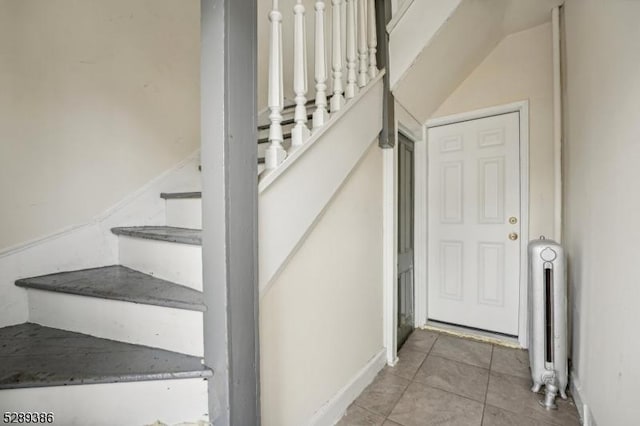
x: 179, y: 195
x: 162, y: 233
x: 119, y: 283
x: 35, y: 356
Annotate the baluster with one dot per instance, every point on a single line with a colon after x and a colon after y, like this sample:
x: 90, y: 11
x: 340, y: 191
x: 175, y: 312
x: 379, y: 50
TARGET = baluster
x: 337, y: 100
x: 320, y: 115
x: 300, y: 132
x: 275, y: 154
x: 373, y: 39
x: 363, y: 77
x: 352, y: 87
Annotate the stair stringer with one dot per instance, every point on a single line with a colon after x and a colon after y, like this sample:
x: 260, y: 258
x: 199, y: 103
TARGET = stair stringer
x: 293, y: 197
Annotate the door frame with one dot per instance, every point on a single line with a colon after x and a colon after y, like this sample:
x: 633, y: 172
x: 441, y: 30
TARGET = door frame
x: 422, y: 210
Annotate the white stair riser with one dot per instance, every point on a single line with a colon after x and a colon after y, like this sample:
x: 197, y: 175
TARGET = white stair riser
x: 177, y: 330
x: 184, y: 212
x: 182, y: 401
x: 175, y: 262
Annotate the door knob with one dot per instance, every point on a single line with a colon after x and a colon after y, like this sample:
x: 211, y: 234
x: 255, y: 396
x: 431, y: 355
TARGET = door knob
x: 513, y: 236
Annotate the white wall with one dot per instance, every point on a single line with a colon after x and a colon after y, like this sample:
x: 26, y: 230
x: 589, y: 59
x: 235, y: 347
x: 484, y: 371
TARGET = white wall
x: 602, y: 154
x: 321, y: 321
x: 519, y: 68
x: 98, y: 97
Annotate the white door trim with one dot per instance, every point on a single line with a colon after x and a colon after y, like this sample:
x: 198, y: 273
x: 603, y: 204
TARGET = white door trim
x: 421, y: 237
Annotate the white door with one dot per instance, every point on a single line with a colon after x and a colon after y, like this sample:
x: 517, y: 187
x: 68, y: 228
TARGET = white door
x: 474, y: 223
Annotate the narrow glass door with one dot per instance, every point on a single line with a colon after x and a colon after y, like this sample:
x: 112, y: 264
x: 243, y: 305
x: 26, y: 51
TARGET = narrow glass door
x: 405, y: 238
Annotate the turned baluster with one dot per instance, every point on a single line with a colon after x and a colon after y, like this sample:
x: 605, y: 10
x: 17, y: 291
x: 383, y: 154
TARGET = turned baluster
x: 373, y: 39
x: 363, y: 53
x: 320, y: 115
x: 352, y: 86
x: 337, y: 100
x: 300, y: 132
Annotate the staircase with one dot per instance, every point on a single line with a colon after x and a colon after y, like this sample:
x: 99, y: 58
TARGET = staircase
x: 120, y: 344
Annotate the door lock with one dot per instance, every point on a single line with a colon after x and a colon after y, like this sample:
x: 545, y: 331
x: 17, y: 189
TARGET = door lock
x: 513, y: 220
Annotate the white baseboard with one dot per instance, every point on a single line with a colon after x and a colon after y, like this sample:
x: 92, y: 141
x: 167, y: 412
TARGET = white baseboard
x: 581, y: 404
x: 334, y: 409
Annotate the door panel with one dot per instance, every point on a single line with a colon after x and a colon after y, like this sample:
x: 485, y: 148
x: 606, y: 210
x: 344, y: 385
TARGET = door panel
x: 474, y: 191
x: 405, y: 239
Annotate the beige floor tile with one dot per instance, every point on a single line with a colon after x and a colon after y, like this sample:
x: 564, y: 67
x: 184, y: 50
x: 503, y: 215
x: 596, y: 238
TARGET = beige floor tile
x: 513, y: 394
x: 510, y: 361
x: 494, y: 416
x: 453, y: 376
x: 357, y: 416
x: 381, y: 395
x: 421, y: 340
x: 463, y: 350
x: 422, y: 405
x: 408, y: 363
x: 390, y: 423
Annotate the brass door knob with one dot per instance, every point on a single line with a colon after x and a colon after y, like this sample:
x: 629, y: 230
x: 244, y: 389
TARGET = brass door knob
x: 513, y: 236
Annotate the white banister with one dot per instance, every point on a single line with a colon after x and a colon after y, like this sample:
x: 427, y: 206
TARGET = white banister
x: 373, y: 39
x: 320, y: 115
x: 363, y: 54
x: 337, y: 100
x: 352, y: 87
x: 275, y: 154
x: 300, y: 132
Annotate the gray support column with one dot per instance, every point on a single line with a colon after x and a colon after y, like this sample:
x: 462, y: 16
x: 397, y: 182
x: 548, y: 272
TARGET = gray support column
x: 387, y: 137
x: 230, y: 200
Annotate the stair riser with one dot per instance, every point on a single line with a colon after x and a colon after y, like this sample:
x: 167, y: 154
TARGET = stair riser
x: 161, y: 327
x: 175, y: 262
x: 184, y: 213
x: 132, y: 403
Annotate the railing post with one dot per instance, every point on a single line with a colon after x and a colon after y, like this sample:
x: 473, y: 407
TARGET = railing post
x: 337, y: 100
x: 373, y: 39
x: 352, y: 87
x: 300, y: 132
x: 275, y: 154
x: 363, y: 54
x: 320, y: 115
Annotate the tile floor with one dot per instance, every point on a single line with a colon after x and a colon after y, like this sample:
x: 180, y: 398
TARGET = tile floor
x: 449, y: 381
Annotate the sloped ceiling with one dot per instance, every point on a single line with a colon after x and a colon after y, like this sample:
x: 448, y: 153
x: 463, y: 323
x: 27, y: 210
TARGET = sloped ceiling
x: 463, y: 41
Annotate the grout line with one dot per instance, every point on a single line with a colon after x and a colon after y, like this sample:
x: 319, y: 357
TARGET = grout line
x: 486, y: 391
x: 411, y: 380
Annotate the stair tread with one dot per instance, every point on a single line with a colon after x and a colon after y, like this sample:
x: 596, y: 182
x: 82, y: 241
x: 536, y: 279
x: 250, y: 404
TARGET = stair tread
x: 179, y: 195
x: 119, y: 283
x: 32, y: 355
x: 162, y: 233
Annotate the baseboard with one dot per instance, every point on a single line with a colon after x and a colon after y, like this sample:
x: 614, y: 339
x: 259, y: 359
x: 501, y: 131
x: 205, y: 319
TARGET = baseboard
x: 581, y: 404
x: 334, y: 409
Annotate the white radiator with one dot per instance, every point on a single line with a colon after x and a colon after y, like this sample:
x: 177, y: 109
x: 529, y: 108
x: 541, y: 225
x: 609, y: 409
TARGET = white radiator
x: 548, y: 319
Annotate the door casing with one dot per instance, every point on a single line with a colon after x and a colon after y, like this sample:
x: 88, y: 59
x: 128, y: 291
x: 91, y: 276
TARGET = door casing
x: 421, y: 185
